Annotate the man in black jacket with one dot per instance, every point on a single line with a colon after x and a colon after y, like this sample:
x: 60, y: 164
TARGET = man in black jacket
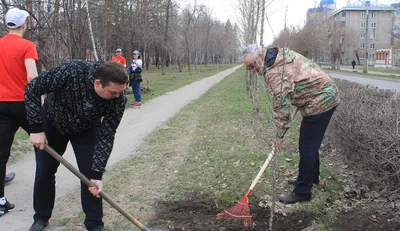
x: 84, y: 105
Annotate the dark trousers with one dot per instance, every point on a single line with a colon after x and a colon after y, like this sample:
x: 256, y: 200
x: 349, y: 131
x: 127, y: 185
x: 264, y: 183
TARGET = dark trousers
x: 46, y: 167
x: 12, y: 116
x: 312, y: 131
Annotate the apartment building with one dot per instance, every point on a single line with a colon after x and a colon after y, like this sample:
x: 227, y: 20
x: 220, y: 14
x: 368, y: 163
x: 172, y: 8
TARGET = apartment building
x: 351, y: 22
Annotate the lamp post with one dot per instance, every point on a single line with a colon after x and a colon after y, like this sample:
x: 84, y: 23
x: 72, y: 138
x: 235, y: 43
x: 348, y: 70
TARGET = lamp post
x: 365, y: 67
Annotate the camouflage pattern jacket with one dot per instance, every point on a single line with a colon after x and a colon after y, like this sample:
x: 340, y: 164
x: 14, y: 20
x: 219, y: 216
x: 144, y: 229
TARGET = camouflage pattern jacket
x: 304, y: 85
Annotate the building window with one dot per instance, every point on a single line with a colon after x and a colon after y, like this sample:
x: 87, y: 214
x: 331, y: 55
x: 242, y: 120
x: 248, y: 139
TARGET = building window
x: 372, y: 46
x: 373, y: 25
x: 371, y: 56
x: 362, y: 35
x: 362, y: 14
x: 373, y: 15
x: 343, y: 14
x: 362, y: 45
x: 372, y: 36
x: 363, y: 25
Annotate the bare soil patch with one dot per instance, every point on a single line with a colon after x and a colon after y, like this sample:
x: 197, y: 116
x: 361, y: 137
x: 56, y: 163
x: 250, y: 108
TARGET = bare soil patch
x: 367, y: 220
x: 198, y: 212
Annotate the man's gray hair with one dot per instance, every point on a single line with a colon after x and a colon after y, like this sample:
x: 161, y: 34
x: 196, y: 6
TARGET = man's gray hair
x: 252, y: 49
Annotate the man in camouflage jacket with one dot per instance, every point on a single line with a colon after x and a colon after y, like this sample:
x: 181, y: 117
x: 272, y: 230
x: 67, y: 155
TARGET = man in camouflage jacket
x: 292, y: 79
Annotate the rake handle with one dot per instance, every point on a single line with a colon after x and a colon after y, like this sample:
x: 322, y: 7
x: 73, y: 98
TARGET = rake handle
x: 271, y: 154
x: 85, y: 180
x: 265, y: 165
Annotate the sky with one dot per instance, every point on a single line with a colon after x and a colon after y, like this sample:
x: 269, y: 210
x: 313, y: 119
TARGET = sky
x: 296, y: 15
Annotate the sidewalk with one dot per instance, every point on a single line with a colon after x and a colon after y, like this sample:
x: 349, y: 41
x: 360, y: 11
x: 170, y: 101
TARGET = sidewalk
x: 359, y: 69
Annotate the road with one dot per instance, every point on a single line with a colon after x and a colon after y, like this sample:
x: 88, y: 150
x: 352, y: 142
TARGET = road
x: 377, y: 82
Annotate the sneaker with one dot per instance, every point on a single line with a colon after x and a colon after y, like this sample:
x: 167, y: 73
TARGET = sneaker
x: 7, y: 207
x: 294, y: 198
x: 133, y: 103
x: 137, y: 104
x: 9, y: 177
x: 39, y: 225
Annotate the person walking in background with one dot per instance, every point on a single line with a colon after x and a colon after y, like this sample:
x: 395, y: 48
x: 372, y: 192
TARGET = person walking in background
x: 135, y: 73
x: 307, y: 87
x: 119, y: 58
x: 18, y: 58
x: 87, y: 118
x: 353, y: 63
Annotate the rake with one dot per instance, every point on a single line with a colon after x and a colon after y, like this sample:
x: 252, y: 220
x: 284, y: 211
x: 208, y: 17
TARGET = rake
x: 241, y: 211
x: 85, y: 180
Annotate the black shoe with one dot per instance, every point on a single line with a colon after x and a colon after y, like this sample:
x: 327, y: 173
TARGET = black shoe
x: 39, y: 225
x: 7, y: 207
x: 9, y: 177
x: 294, y: 198
x: 293, y: 182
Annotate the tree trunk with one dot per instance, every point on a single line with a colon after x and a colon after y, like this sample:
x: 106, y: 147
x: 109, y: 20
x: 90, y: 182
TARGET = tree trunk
x: 164, y: 47
x: 157, y: 58
x: 262, y: 23
x: 178, y: 60
x: 91, y: 32
x: 57, y: 32
x: 105, y: 30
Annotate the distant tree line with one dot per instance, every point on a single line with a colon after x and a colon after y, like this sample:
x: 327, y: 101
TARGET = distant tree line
x: 165, y: 32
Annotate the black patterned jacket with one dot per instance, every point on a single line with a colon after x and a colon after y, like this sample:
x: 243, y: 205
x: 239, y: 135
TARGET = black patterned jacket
x: 73, y: 106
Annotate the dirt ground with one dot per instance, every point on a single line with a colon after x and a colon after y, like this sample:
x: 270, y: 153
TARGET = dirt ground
x: 365, y: 220
x: 199, y: 213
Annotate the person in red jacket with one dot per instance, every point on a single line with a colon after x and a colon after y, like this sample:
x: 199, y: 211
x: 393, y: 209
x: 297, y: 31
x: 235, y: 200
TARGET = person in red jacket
x: 119, y: 58
x: 18, y: 58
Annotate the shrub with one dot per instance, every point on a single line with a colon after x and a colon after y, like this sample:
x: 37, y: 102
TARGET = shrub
x: 365, y: 129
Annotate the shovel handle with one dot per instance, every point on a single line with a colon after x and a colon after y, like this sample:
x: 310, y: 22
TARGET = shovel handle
x: 85, y: 180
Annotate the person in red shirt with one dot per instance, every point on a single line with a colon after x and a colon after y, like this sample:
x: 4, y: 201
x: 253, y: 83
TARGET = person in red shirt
x: 119, y: 58
x: 18, y: 58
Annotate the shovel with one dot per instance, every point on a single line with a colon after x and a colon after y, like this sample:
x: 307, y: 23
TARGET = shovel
x: 85, y: 180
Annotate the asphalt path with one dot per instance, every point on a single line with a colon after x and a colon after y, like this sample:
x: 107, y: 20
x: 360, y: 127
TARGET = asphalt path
x: 381, y: 83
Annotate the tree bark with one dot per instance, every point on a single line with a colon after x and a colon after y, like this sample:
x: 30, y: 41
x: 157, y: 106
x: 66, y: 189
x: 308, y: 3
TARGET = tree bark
x: 91, y: 32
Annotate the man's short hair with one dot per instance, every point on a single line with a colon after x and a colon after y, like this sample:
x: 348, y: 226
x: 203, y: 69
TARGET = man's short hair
x: 252, y: 49
x: 111, y: 72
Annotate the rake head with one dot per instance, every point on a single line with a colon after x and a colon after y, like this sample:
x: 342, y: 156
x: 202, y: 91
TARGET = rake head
x: 239, y: 212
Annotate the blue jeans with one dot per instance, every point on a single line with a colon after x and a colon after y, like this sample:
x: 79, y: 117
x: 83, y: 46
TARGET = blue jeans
x: 137, y: 92
x: 46, y: 167
x: 312, y: 131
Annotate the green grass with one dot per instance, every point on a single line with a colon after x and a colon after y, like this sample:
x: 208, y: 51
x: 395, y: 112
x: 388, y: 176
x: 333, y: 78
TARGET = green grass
x: 21, y: 145
x: 172, y: 80
x: 385, y: 70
